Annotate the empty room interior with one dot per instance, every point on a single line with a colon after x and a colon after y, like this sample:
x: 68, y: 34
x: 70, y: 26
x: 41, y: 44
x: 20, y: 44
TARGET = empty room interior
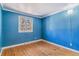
x: 39, y: 29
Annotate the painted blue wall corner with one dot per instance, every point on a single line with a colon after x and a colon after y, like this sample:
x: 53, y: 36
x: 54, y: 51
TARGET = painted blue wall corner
x: 11, y: 36
x: 63, y: 29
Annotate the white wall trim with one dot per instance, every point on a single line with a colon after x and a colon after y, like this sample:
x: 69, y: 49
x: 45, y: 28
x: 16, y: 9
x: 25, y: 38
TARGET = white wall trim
x: 71, y: 6
x: 61, y: 46
x: 22, y: 44
x: 19, y: 45
x: 19, y: 12
x: 38, y: 41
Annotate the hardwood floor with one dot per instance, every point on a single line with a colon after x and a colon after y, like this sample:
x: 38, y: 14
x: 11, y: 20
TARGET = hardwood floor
x: 40, y: 48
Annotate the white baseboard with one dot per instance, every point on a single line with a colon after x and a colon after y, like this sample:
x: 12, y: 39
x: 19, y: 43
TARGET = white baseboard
x: 20, y: 44
x: 61, y: 46
x: 38, y: 41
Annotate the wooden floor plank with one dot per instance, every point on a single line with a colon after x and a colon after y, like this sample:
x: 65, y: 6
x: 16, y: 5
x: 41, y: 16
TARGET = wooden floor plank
x: 40, y: 48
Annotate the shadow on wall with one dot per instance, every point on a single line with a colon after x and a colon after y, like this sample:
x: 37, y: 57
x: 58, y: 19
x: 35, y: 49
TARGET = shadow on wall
x: 11, y: 36
x: 60, y: 28
x: 63, y: 28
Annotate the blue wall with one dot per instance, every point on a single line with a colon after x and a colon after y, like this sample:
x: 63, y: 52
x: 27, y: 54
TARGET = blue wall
x: 62, y: 29
x: 11, y: 36
x: 0, y: 27
x: 59, y: 28
x: 75, y: 28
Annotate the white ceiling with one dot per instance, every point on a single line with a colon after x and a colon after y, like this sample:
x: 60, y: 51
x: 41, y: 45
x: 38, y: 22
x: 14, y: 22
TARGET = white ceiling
x: 39, y: 9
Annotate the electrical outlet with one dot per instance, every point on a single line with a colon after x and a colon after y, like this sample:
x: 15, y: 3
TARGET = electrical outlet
x: 70, y: 44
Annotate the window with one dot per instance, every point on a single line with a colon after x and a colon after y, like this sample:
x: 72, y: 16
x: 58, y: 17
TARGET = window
x: 25, y: 24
